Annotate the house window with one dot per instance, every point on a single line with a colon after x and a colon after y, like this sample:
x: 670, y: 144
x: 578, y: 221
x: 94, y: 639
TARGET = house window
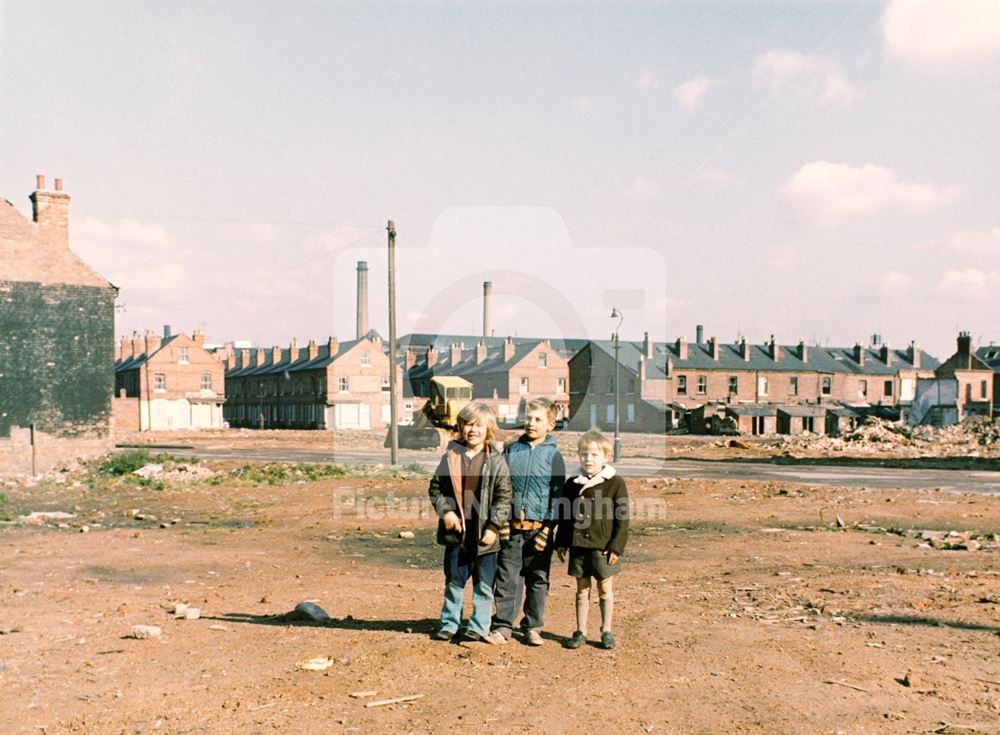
x: 734, y: 385
x: 983, y: 390
x: 385, y: 383
x: 159, y: 381
x: 611, y: 384
x: 888, y: 388
x: 682, y: 385
x: 630, y: 413
x: 560, y: 385
x: 808, y: 424
x: 366, y: 359
x: 611, y: 413
x: 543, y: 359
x: 825, y: 387
x: 863, y: 388
x: 344, y: 384
x: 793, y: 386
x: 762, y: 385
x: 206, y: 381
x: 183, y: 355
x: 523, y: 386
x: 968, y: 392
x: 631, y: 385
x: 702, y: 384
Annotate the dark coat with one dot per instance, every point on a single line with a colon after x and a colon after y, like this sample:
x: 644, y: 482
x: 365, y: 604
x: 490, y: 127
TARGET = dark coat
x: 445, y: 492
x: 594, y: 514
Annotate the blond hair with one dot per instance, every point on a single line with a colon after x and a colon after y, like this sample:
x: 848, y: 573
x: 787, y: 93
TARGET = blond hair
x: 543, y: 404
x: 478, y: 411
x: 593, y: 436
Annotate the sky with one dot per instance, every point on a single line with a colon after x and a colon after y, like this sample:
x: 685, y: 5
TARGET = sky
x: 813, y: 170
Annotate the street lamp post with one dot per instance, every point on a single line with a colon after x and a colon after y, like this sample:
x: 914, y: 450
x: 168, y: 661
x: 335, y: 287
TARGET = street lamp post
x: 615, y: 314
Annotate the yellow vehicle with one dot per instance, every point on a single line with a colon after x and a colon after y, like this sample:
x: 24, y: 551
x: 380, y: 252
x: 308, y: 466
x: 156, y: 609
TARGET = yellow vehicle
x: 436, y: 422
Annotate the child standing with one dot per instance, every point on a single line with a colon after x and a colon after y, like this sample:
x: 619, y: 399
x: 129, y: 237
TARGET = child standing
x: 537, y: 474
x: 470, y: 492
x: 593, y: 524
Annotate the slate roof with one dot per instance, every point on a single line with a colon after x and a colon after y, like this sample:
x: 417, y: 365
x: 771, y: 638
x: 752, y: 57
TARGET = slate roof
x: 131, y: 363
x: 819, y: 359
x: 466, y: 365
x: 990, y: 356
x: 269, y: 366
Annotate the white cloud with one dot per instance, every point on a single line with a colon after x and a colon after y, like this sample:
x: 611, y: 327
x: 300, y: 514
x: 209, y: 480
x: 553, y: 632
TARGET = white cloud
x: 969, y: 284
x: 830, y: 192
x: 976, y: 243
x: 717, y: 178
x: 689, y: 94
x: 584, y: 103
x: 896, y: 284
x: 818, y: 80
x: 940, y: 35
x: 641, y: 188
x: 132, y: 255
x: 645, y: 79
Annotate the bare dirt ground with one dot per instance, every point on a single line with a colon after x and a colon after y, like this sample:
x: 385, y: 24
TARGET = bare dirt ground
x: 742, y: 608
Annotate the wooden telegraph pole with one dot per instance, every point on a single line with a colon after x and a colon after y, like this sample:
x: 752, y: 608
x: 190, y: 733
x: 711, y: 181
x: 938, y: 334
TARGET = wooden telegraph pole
x: 393, y: 422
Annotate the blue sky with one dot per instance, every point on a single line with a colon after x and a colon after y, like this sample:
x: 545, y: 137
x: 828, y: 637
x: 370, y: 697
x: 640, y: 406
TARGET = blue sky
x: 815, y: 170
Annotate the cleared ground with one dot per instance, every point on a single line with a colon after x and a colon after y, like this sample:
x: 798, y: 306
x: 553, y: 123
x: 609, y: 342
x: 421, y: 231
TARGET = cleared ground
x: 743, y: 608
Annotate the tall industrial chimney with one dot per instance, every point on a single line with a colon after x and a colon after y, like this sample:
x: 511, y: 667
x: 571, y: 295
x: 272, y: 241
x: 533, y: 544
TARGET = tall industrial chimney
x: 487, y: 308
x: 362, y: 299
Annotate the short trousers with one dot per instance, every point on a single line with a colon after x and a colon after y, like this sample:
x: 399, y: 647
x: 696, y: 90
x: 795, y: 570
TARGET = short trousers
x: 591, y: 563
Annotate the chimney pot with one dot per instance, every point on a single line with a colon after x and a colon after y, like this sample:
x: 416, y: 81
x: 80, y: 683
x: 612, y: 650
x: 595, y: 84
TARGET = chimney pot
x: 40, y: 182
x: 58, y: 184
x: 699, y: 333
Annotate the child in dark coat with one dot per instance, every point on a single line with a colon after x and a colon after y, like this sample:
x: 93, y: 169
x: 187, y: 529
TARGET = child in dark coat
x: 470, y: 492
x: 593, y: 525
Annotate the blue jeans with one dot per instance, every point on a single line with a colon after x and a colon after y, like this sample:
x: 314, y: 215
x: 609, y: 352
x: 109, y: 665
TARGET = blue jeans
x: 459, y: 565
x: 521, y: 565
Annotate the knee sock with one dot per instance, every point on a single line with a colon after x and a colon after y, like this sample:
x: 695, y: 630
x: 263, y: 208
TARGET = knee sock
x: 582, y: 608
x: 607, y: 610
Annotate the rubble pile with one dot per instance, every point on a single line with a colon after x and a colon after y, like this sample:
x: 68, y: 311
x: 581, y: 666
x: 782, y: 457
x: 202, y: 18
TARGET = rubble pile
x: 973, y: 437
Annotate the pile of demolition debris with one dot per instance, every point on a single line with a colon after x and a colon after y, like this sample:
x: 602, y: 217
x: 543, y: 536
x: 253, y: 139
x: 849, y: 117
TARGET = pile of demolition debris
x: 973, y: 437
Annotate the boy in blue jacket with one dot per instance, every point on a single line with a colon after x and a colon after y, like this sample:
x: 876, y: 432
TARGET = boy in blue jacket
x: 537, y: 475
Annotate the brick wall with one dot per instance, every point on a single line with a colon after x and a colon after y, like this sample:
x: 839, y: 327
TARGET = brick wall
x: 56, y: 369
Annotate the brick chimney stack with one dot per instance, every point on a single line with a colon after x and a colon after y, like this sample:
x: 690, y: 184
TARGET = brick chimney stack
x: 198, y: 337
x: 332, y: 345
x: 803, y: 351
x: 859, y: 354
x: 774, y: 349
x: 647, y: 345
x: 50, y: 212
x: 312, y: 350
x: 293, y: 350
x: 487, y: 308
x: 713, y: 348
x: 432, y: 357
x: 455, y: 354
x: 913, y: 354
x: 362, y: 299
x: 275, y: 355
x: 508, y: 349
x: 682, y: 348
x: 964, y: 350
x: 744, y: 348
x: 152, y: 343
x: 481, y: 352
x: 886, y: 354
x: 259, y: 358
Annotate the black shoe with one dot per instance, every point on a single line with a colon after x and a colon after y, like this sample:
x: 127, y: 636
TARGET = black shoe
x: 472, y: 636
x: 443, y: 634
x: 577, y: 640
x: 607, y: 640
